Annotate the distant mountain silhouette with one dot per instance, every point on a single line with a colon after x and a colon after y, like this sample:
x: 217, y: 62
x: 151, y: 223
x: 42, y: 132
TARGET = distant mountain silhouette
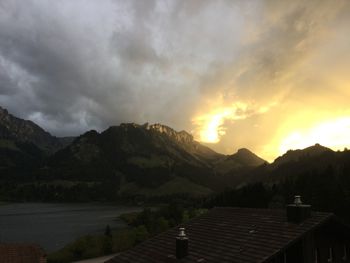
x: 238, y: 163
x: 295, y: 163
x: 16, y: 129
x: 131, y: 159
x: 295, y: 155
x: 246, y: 158
x: 149, y: 156
x: 136, y: 160
x: 138, y: 157
x: 24, y: 147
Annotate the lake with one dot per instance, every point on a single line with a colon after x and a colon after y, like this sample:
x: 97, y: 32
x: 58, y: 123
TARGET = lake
x: 54, y: 225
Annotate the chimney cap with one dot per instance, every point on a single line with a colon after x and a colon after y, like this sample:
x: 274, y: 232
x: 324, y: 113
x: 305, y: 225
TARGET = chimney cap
x: 298, y: 212
x: 182, y: 233
x: 297, y: 200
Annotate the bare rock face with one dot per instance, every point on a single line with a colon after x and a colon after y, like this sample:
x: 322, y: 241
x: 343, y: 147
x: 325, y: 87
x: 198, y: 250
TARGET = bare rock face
x: 181, y: 137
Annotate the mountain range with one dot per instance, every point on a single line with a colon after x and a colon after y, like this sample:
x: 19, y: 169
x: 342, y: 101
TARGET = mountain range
x: 129, y: 160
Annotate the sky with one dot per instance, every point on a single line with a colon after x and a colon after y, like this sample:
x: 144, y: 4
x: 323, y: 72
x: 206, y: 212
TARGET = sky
x: 267, y: 75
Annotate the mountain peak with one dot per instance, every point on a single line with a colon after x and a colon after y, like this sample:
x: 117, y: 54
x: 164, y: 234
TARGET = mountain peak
x: 246, y: 157
x: 27, y: 131
x: 244, y: 151
x: 317, y: 146
x: 294, y: 155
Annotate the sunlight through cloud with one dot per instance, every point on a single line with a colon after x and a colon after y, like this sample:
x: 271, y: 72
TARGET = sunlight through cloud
x: 332, y: 133
x: 210, y: 126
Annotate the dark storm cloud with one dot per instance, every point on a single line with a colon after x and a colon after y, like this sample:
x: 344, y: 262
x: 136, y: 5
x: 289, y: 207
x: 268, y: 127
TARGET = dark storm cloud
x: 78, y: 65
x: 75, y: 65
x: 75, y: 79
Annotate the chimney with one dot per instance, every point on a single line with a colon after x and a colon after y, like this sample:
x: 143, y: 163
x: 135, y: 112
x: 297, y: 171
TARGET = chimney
x: 298, y: 212
x: 181, y: 244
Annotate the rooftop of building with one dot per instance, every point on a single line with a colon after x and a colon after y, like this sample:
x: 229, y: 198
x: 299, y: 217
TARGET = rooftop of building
x: 228, y: 235
x: 21, y: 253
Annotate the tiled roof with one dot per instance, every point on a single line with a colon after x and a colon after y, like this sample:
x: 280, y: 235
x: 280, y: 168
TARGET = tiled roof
x: 227, y: 235
x: 21, y: 253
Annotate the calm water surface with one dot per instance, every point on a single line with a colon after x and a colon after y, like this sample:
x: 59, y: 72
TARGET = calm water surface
x: 54, y: 225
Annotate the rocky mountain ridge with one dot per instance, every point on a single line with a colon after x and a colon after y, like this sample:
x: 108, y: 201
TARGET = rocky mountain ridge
x: 181, y: 136
x: 21, y: 130
x: 132, y: 158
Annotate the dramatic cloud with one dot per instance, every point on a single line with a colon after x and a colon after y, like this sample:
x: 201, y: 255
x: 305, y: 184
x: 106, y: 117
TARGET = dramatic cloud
x: 237, y: 73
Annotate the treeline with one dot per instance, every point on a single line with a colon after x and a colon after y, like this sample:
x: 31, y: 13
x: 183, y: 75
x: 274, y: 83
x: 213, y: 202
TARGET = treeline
x: 61, y: 192
x: 65, y: 191
x: 326, y: 190
x: 157, y: 221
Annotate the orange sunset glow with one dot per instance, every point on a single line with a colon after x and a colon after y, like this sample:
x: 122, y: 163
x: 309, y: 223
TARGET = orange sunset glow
x: 264, y: 75
x: 291, y: 92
